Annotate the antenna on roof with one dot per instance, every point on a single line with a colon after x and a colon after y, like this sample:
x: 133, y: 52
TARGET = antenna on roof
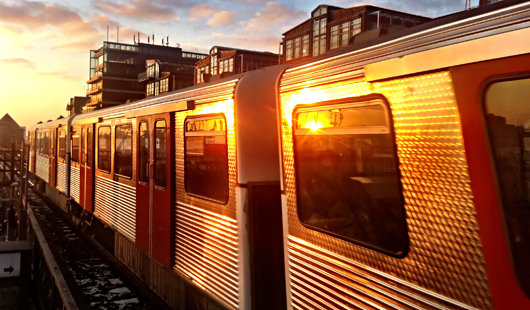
x: 118, y: 35
x: 162, y: 41
x: 134, y: 39
x: 153, y: 38
x: 138, y: 36
x: 167, y: 41
x: 147, y: 40
x: 107, y: 33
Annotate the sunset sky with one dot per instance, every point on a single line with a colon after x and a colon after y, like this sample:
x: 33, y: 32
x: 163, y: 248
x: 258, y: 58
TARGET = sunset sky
x: 45, y: 45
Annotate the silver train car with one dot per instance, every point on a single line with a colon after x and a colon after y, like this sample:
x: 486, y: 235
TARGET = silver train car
x: 390, y: 174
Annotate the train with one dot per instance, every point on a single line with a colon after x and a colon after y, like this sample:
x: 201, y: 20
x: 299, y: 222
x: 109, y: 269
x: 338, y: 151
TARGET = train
x: 389, y: 174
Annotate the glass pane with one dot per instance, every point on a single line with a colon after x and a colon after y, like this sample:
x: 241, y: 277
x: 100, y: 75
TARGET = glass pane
x: 62, y: 143
x: 123, y: 151
x: 373, y: 115
x: 90, y: 147
x: 104, y: 149
x: 508, y: 119
x: 348, y: 184
x: 75, y: 147
x: 206, y: 159
x: 160, y: 154
x: 83, y: 142
x: 143, y: 153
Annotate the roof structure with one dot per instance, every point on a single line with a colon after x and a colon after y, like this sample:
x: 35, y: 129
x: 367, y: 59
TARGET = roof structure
x: 8, y: 121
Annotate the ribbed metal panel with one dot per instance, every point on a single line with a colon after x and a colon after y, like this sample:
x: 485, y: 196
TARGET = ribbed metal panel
x: 42, y: 170
x: 207, y: 252
x: 115, y: 204
x: 61, y: 176
x: 444, y: 268
x: 75, y: 183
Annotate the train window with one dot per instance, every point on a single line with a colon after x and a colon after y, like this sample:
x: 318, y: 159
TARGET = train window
x: 508, y: 117
x: 143, y: 153
x: 75, y: 147
x: 47, y: 143
x: 206, y: 158
x: 62, y: 144
x: 123, y: 151
x: 347, y: 177
x: 89, y: 147
x: 104, y: 149
x: 160, y: 154
x: 83, y: 146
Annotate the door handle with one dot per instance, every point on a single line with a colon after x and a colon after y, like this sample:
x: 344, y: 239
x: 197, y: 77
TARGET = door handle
x: 147, y: 170
x: 151, y: 170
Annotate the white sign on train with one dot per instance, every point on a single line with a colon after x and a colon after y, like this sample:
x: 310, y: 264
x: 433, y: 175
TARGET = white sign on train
x: 9, y: 265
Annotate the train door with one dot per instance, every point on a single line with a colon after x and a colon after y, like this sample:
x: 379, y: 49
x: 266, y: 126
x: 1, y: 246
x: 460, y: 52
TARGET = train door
x: 154, y: 184
x: 86, y: 166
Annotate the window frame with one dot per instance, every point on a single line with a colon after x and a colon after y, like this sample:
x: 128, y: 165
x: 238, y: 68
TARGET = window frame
x: 110, y: 149
x: 154, y: 153
x: 115, y: 153
x: 525, y: 287
x: 349, y: 103
x: 206, y: 117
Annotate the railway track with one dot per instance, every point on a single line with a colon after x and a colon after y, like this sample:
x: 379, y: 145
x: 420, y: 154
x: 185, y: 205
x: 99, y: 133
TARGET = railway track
x: 100, y: 284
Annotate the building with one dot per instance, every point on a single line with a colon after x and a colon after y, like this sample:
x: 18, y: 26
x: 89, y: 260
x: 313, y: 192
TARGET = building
x: 114, y: 70
x: 9, y: 129
x: 76, y: 105
x: 162, y: 77
x: 332, y: 27
x: 226, y: 61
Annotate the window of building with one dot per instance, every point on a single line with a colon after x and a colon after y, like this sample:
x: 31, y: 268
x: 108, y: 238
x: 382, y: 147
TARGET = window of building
x: 319, y: 36
x: 231, y: 64
x: 157, y: 88
x: 206, y: 158
x: 150, y: 89
x: 123, y: 150
x: 355, y: 27
x: 289, y: 50
x: 76, y: 143
x: 344, y: 33
x: 320, y: 11
x: 296, y: 47
x: 507, y: 106
x: 161, y: 154
x: 347, y: 178
x: 334, y: 37
x: 213, y: 64
x: 62, y: 144
x: 164, y: 85
x: 305, y: 45
x: 104, y: 147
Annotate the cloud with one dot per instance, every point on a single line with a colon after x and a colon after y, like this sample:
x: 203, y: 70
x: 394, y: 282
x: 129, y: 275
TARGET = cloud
x: 47, y: 21
x: 141, y: 9
x: 222, y: 18
x: 201, y: 11
x: 274, y: 16
x: 60, y: 75
x: 18, y: 62
x: 265, y: 44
